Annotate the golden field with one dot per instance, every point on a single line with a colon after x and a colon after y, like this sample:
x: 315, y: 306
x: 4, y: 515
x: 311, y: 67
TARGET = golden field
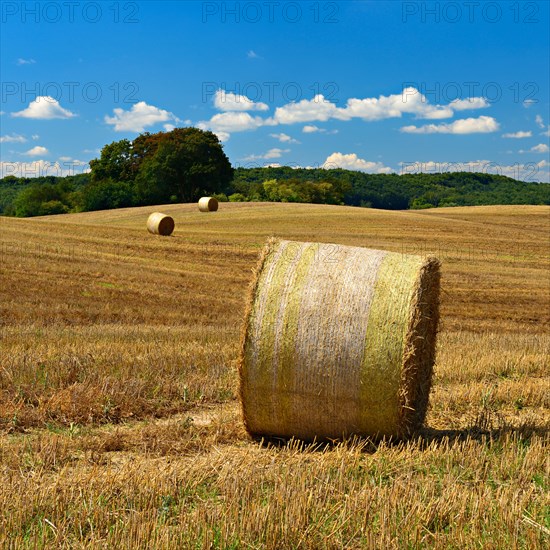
x: 119, y: 421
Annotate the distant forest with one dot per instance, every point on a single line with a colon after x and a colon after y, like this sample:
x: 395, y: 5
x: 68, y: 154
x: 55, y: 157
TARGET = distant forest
x: 185, y: 164
x: 388, y: 191
x: 42, y: 196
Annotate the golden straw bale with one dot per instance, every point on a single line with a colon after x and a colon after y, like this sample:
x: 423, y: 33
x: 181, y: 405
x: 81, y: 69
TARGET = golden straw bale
x: 160, y: 224
x: 338, y: 341
x: 208, y: 204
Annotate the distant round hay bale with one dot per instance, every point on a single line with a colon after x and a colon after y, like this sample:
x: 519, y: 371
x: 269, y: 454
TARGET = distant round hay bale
x: 160, y: 224
x: 338, y: 341
x: 208, y: 204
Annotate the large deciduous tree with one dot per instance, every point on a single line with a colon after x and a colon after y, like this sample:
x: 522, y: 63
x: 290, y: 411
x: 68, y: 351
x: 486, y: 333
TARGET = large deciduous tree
x: 185, y: 163
x: 114, y: 162
x: 179, y: 165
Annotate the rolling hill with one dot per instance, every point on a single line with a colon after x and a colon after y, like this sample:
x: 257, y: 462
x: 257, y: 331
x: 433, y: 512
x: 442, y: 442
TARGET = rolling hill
x: 119, y: 419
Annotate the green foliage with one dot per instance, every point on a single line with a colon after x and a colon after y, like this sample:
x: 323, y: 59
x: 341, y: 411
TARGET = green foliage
x: 24, y: 196
x: 166, y: 167
x: 389, y: 191
x: 53, y: 207
x: 221, y: 197
x: 29, y: 201
x: 420, y: 203
x: 177, y: 166
x: 295, y: 190
x: 237, y: 197
x: 43, y: 199
x: 280, y: 192
x: 115, y: 163
x: 186, y: 162
x: 106, y: 194
x: 9, y: 188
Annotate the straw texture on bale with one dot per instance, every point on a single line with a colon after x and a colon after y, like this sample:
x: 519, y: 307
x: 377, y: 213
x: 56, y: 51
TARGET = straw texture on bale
x: 208, y: 204
x: 160, y: 224
x: 338, y: 341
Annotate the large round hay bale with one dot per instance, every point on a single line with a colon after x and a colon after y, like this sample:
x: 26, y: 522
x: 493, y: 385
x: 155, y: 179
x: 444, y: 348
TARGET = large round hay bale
x: 208, y: 204
x: 338, y: 341
x: 160, y: 224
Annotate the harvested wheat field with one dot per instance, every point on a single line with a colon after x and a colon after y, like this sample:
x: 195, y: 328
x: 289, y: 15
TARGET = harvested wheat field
x: 119, y: 418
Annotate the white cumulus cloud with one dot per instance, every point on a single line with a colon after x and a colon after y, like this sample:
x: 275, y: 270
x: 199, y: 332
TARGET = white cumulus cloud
x: 138, y: 117
x: 274, y: 153
x: 223, y: 124
x: 469, y: 103
x: 480, y: 125
x: 228, y: 101
x: 284, y: 138
x: 233, y: 121
x: 320, y: 109
x: 540, y: 123
x: 37, y: 151
x: 409, y: 101
x: 44, y: 107
x: 351, y: 161
x: 14, y: 138
x: 540, y: 148
x: 307, y: 110
x: 312, y: 129
x: 518, y: 135
x: 21, y: 61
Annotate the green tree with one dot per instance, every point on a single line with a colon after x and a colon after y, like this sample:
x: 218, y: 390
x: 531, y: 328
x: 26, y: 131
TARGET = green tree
x: 116, y: 162
x: 53, y: 207
x: 106, y: 194
x: 42, y: 199
x: 186, y: 162
x: 237, y: 197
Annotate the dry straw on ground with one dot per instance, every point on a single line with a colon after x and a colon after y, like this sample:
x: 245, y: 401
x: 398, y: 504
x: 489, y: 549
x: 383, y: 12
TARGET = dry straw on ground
x: 337, y: 341
x: 208, y: 204
x: 94, y: 357
x: 160, y: 224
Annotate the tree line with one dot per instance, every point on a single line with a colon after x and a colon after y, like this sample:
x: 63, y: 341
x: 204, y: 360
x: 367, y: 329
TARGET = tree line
x: 186, y: 163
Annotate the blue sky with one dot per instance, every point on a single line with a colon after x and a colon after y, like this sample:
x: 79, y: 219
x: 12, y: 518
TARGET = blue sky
x: 370, y: 85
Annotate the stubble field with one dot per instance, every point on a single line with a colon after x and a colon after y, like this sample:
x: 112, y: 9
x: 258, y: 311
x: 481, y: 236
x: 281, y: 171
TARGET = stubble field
x: 119, y: 421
